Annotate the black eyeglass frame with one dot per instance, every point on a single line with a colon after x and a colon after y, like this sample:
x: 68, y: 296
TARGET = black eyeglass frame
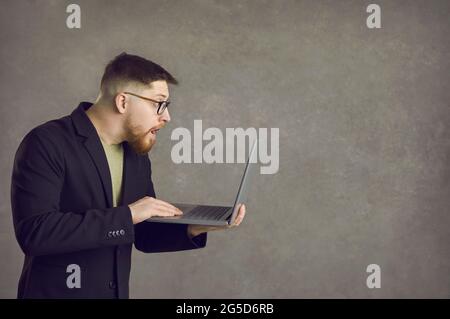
x: 162, y: 105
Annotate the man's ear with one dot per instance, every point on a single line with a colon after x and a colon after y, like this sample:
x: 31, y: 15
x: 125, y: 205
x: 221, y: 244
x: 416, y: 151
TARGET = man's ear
x: 121, y: 102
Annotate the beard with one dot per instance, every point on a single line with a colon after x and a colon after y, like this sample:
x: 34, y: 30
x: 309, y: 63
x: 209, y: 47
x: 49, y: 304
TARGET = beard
x: 140, y: 142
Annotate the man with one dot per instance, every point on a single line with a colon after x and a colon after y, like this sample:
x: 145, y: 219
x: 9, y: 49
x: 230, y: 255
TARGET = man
x: 81, y: 189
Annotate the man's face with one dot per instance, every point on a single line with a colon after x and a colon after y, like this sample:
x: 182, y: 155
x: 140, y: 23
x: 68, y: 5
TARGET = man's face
x: 143, y: 121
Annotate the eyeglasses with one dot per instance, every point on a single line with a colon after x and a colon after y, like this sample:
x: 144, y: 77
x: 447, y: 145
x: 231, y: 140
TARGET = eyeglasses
x: 162, y: 105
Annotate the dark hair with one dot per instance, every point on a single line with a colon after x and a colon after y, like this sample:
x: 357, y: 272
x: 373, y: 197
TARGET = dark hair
x: 132, y: 68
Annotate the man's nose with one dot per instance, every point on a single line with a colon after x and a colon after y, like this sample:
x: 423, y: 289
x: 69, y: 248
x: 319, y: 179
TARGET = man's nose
x: 165, y: 116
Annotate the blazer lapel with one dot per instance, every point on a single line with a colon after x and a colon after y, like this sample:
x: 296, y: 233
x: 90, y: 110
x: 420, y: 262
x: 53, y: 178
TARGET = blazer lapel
x: 128, y: 171
x: 94, y: 147
x: 97, y: 153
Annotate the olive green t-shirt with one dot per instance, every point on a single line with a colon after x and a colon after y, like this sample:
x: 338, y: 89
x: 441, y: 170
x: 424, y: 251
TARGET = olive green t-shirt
x: 114, y: 155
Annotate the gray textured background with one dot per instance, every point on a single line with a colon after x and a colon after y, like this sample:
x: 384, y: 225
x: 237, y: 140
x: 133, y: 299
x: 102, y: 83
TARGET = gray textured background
x: 363, y: 115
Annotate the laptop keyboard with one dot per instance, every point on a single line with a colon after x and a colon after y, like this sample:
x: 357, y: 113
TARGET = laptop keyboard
x: 207, y: 212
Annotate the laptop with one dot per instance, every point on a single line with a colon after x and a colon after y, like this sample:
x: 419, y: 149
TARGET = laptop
x: 211, y: 215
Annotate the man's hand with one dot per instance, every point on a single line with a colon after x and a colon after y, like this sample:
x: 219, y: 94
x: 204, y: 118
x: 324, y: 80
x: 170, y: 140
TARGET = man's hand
x: 147, y: 207
x: 195, y: 230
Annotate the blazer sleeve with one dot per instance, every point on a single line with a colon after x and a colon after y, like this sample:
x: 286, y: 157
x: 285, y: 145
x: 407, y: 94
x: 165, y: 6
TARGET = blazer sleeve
x: 160, y: 237
x: 40, y: 227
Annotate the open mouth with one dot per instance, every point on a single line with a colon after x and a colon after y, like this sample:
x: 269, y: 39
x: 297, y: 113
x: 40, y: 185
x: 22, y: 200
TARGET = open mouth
x: 154, y: 131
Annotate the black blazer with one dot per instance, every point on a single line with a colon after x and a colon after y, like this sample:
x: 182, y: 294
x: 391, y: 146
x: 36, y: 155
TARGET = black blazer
x: 61, y: 198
